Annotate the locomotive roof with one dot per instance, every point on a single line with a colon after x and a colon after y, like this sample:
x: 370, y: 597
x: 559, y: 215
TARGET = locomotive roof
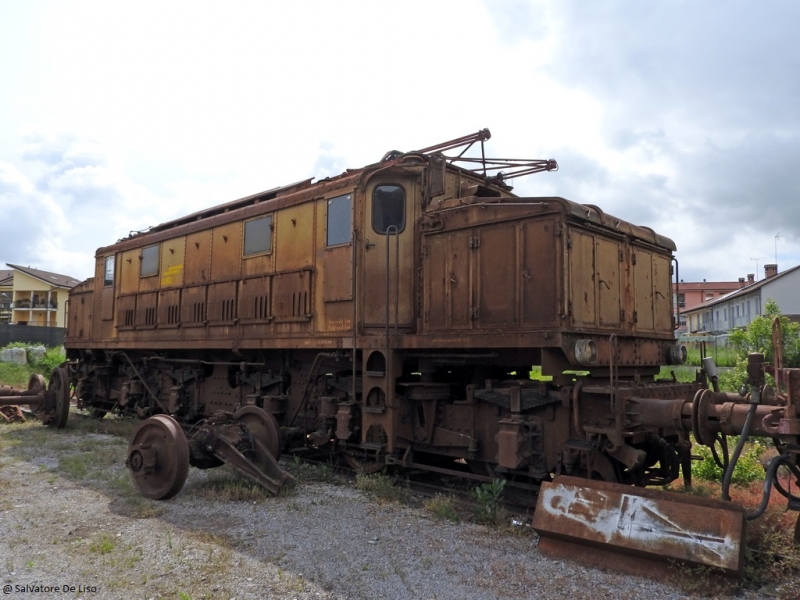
x: 499, y: 192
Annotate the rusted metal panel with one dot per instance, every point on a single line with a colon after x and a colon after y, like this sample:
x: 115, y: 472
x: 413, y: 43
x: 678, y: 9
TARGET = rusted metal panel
x: 641, y: 522
x: 540, y: 247
x: 173, y: 256
x: 436, y: 282
x: 80, y: 316
x: 459, y: 281
x: 291, y: 296
x: 254, y: 299
x: 258, y: 265
x: 146, y: 305
x: 226, y: 251
x: 222, y: 305
x: 128, y: 272
x: 498, y: 275
x: 193, y: 306
x: 126, y: 312
x: 400, y: 249
x: 608, y: 260
x: 337, y: 273
x: 197, y: 267
x: 582, y: 296
x: 643, y: 317
x: 169, y: 309
x: 662, y: 294
x: 449, y: 281
x: 294, y: 237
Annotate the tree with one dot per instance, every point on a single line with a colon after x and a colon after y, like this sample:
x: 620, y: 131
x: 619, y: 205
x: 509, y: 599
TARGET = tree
x: 757, y: 337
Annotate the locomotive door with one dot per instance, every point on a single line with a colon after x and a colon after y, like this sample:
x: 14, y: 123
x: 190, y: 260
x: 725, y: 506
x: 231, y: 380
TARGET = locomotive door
x: 388, y: 243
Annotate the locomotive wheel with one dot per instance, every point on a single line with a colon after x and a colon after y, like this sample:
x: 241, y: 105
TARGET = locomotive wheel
x: 263, y: 426
x: 54, y: 414
x: 158, y: 457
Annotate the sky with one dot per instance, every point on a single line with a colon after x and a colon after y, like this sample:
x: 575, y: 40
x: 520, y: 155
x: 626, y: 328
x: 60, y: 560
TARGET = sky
x: 680, y: 116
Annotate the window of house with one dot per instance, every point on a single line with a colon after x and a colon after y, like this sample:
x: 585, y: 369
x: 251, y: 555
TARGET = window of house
x: 258, y: 236
x: 388, y: 208
x: 725, y: 314
x: 709, y: 295
x: 149, y: 261
x: 339, y: 221
x: 108, y: 277
x: 682, y: 300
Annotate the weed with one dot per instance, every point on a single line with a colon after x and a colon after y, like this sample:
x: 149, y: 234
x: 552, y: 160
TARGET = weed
x: 488, y: 502
x: 74, y: 465
x: 443, y: 507
x: 226, y: 485
x: 700, y: 581
x: 308, y: 473
x: 29, y: 564
x: 748, y: 468
x: 381, y: 485
x: 184, y: 596
x: 103, y: 546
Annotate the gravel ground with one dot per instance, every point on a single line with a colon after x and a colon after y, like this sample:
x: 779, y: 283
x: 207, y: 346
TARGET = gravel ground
x: 66, y: 523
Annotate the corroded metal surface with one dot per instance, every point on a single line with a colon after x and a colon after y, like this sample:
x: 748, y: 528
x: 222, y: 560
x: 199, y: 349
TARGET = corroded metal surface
x: 650, y: 523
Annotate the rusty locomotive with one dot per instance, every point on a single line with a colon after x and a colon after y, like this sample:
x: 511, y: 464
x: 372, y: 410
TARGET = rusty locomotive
x: 390, y: 316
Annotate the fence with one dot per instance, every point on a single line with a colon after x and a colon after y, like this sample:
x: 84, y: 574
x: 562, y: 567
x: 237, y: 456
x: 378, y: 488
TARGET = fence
x: 30, y: 334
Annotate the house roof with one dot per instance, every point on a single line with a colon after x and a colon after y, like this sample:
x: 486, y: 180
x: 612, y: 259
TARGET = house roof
x: 6, y: 277
x: 54, y: 279
x: 747, y: 289
x: 707, y: 285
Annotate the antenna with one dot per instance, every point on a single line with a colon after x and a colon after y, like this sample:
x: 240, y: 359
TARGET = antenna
x: 758, y: 258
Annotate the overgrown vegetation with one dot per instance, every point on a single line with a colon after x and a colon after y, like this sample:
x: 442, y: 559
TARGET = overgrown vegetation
x: 383, y: 486
x: 489, y: 502
x: 757, y: 337
x: 18, y: 375
x: 748, y: 468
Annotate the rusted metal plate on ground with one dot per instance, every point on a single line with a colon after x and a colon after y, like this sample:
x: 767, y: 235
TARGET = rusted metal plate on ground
x: 645, y: 523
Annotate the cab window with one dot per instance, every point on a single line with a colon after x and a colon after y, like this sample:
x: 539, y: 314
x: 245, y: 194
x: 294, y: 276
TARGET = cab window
x: 149, y: 261
x: 258, y: 236
x: 388, y: 208
x: 339, y: 221
x: 108, y: 277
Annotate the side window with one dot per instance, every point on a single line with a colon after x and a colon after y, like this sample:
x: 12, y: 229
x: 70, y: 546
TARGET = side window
x: 388, y: 208
x: 149, y: 261
x: 339, y: 221
x: 258, y: 236
x: 108, y: 277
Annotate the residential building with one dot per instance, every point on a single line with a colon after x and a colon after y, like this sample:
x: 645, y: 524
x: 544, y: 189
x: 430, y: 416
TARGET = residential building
x: 6, y: 281
x: 39, y: 297
x: 739, y: 308
x: 689, y: 295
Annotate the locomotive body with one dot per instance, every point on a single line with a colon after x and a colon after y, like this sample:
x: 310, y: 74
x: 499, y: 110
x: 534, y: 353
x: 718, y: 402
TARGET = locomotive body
x: 390, y: 315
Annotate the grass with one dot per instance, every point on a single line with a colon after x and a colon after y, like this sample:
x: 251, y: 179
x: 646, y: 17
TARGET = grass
x: 443, y: 507
x: 223, y: 484
x: 383, y: 487
x: 17, y: 375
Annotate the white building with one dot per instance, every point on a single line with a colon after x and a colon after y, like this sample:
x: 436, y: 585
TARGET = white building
x: 739, y: 308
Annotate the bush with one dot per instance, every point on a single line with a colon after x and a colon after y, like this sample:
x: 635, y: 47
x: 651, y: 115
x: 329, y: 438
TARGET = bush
x: 748, y: 468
